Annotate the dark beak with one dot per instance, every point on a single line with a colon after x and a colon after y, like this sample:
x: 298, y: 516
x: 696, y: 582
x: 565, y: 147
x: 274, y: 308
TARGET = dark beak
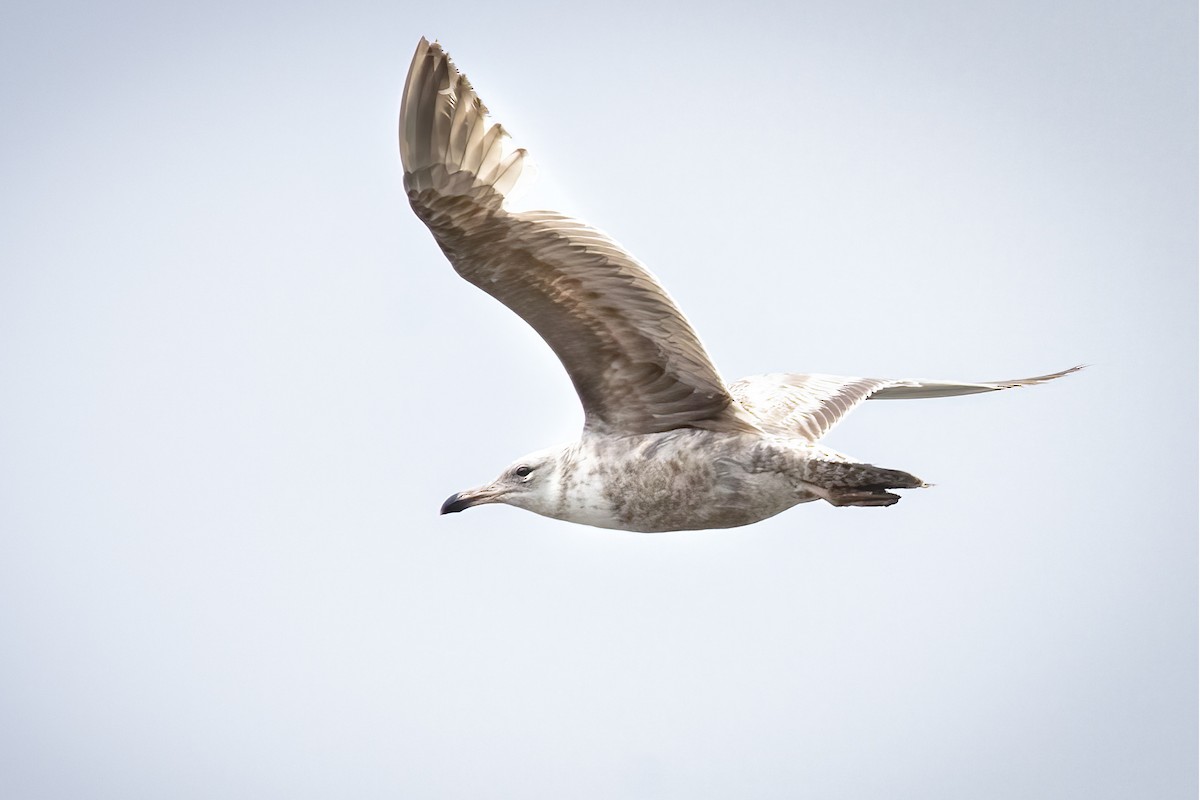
x: 461, y: 501
x: 457, y: 502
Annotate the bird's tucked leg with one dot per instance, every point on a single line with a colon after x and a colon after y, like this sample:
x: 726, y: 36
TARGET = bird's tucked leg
x: 856, y: 497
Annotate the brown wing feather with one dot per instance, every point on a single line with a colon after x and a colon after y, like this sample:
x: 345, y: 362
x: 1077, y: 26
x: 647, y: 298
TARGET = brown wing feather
x: 636, y: 363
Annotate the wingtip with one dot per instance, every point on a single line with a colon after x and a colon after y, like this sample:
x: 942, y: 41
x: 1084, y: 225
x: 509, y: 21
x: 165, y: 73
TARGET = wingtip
x: 1064, y: 373
x: 1040, y: 379
x: 443, y: 123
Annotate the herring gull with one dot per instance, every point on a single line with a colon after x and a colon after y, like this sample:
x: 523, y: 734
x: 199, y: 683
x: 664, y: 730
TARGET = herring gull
x: 666, y: 444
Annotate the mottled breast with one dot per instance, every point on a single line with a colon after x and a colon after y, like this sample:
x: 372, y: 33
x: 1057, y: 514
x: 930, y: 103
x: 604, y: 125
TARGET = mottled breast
x: 679, y: 480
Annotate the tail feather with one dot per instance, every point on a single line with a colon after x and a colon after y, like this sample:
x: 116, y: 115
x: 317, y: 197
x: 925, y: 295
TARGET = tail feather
x: 843, y: 483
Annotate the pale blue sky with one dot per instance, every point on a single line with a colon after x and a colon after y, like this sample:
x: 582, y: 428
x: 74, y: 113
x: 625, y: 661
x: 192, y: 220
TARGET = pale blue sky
x: 237, y: 379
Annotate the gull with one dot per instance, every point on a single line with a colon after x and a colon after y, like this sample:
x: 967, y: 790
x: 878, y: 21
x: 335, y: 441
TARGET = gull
x: 666, y: 444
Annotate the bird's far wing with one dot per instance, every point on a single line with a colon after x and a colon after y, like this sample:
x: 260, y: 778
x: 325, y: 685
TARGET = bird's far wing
x: 810, y: 406
x: 807, y: 406
x: 636, y: 363
x: 911, y: 390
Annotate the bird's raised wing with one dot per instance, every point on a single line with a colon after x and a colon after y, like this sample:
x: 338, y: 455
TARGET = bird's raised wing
x: 636, y: 363
x: 809, y: 406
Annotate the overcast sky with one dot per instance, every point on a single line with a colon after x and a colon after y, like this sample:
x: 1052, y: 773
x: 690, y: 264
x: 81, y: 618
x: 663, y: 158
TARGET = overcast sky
x: 237, y: 379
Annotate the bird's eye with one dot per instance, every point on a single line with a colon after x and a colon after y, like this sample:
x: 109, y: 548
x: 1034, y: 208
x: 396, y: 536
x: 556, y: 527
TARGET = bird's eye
x: 522, y: 471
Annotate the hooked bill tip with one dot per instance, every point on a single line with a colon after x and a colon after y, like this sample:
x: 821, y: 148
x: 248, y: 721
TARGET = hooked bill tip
x: 455, y: 503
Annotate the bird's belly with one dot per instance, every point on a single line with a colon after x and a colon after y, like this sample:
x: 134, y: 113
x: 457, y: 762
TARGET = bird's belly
x: 664, y: 490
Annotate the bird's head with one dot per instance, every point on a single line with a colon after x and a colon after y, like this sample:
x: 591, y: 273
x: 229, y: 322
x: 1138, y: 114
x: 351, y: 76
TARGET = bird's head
x: 531, y: 483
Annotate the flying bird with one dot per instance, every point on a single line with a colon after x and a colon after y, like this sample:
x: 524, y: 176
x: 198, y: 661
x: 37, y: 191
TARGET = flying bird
x: 666, y: 444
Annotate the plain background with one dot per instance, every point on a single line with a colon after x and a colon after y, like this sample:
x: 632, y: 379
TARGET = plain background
x: 237, y: 379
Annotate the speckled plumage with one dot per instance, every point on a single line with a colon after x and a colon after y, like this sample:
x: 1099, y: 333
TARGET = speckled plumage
x: 666, y: 444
